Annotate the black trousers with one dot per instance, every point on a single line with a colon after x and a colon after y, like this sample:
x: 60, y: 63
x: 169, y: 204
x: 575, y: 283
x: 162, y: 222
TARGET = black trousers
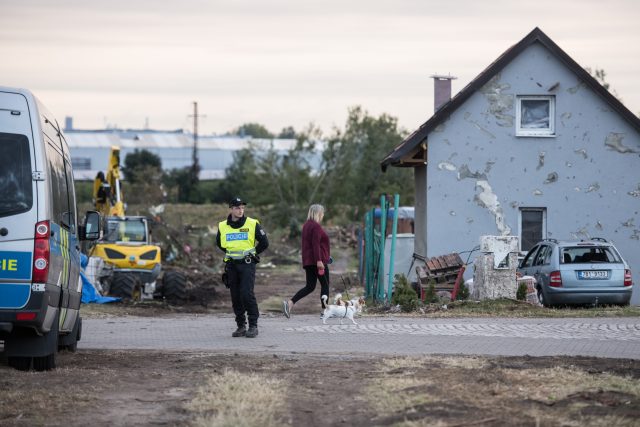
x: 241, y: 280
x: 312, y: 278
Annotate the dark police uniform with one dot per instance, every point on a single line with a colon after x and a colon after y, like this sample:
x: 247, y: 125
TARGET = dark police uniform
x: 242, y: 241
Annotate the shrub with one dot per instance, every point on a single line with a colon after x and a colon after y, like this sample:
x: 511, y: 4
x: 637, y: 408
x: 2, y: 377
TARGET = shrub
x: 463, y: 292
x: 521, y: 293
x: 403, y: 294
x: 430, y: 295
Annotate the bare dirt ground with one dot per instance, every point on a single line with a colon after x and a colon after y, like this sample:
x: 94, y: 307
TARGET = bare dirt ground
x: 105, y: 388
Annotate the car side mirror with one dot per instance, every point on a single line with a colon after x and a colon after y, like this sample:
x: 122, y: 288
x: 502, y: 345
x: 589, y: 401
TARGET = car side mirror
x: 91, y: 229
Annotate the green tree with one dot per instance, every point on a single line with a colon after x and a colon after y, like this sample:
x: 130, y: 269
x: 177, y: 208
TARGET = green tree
x: 254, y: 130
x: 287, y: 133
x: 138, y: 164
x: 352, y: 161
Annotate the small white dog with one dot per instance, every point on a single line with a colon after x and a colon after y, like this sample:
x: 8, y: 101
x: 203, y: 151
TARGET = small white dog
x: 339, y: 311
x: 357, y: 303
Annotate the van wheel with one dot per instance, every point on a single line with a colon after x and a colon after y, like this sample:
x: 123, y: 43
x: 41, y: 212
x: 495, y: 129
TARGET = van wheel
x: 45, y: 363
x: 123, y: 286
x: 20, y: 363
x: 70, y: 342
x: 174, y: 286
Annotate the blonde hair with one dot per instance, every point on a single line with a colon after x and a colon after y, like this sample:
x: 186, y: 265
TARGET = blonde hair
x: 316, y: 212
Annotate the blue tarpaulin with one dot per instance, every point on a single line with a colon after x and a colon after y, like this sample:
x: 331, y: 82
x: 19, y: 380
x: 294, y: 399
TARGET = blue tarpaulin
x: 89, y: 292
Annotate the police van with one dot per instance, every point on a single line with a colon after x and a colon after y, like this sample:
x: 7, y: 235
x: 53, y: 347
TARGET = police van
x: 40, y: 287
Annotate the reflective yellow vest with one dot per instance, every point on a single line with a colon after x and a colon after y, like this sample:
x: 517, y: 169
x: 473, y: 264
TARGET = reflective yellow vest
x: 238, y: 242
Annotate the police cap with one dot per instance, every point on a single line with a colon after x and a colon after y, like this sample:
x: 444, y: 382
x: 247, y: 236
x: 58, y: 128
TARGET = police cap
x: 236, y: 201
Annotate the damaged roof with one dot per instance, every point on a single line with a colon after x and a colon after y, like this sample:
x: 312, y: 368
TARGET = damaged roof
x: 410, y: 152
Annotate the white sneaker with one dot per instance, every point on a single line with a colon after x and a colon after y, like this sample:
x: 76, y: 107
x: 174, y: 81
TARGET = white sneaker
x: 285, y: 309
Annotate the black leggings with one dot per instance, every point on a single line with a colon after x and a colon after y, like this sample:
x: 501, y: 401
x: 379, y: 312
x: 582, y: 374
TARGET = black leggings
x: 312, y: 278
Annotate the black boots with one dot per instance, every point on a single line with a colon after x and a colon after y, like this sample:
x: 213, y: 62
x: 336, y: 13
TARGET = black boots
x: 240, y: 332
x: 243, y: 332
x: 252, y: 332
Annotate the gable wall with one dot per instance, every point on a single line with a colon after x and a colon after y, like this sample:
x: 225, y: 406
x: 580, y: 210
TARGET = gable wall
x: 480, y: 174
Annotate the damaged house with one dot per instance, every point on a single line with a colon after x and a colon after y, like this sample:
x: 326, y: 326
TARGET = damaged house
x: 533, y: 147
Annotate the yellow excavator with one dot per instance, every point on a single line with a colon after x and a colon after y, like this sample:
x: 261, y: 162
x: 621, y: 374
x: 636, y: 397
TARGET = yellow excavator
x: 127, y: 263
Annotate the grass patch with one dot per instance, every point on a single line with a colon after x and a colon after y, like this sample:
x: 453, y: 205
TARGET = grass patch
x: 417, y: 391
x: 236, y: 399
x: 512, y: 308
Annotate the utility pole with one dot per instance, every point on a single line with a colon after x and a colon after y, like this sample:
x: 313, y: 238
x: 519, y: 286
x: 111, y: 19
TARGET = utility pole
x: 195, y: 166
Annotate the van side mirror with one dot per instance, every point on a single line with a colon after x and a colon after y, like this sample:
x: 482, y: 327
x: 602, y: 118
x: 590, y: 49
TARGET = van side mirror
x: 91, y: 229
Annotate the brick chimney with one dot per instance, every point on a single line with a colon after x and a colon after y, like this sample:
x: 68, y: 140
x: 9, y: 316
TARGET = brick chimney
x: 441, y: 90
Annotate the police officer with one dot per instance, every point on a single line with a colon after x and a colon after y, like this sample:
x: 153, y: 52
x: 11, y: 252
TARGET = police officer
x: 242, y: 239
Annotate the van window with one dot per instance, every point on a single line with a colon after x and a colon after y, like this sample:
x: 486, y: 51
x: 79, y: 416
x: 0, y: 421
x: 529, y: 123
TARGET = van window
x: 70, y: 215
x: 16, y: 186
x: 60, y: 200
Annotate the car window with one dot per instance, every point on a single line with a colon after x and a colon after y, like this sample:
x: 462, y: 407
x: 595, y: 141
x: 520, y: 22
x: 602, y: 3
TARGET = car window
x: 543, y: 255
x: 528, y: 259
x: 590, y: 254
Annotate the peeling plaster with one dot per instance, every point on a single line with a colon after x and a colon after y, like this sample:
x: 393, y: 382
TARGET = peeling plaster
x: 480, y: 128
x: 573, y: 90
x: 635, y: 235
x: 514, y: 205
x: 599, y: 225
x: 452, y: 213
x: 488, y: 200
x: 581, y: 233
x: 635, y: 193
x: 566, y: 116
x: 447, y: 166
x: 577, y: 189
x: 464, y: 172
x: 469, y: 220
x: 582, y: 152
x: 629, y: 223
x: 551, y: 178
x: 593, y: 187
x: 614, y: 142
x: 537, y: 192
x: 499, y: 103
x: 541, y: 160
x: 568, y: 164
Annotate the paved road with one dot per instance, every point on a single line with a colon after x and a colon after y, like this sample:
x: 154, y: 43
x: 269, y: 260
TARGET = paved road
x: 605, y: 337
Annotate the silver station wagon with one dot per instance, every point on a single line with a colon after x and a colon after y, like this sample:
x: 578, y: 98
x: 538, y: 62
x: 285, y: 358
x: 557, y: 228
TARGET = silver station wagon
x: 589, y: 272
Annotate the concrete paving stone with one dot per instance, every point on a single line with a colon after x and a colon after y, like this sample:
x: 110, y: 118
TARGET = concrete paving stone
x: 602, y: 337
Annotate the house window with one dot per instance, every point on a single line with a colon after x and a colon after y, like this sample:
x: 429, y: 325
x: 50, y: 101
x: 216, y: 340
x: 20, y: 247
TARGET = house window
x: 535, y: 116
x: 533, y: 227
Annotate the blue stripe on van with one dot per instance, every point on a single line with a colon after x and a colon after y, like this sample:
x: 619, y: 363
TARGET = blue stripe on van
x: 15, y: 265
x: 13, y: 295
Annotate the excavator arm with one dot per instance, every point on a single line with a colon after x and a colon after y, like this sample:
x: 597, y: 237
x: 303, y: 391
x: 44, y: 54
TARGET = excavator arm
x: 107, y: 192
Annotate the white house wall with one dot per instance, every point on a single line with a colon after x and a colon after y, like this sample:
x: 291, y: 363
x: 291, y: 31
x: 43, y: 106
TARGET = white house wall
x: 479, y: 173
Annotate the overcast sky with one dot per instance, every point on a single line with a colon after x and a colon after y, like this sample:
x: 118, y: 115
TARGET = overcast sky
x: 127, y: 63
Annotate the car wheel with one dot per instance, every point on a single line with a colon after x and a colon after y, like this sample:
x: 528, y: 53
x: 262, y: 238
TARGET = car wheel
x: 541, y: 299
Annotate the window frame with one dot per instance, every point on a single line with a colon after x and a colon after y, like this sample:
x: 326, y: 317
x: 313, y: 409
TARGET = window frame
x: 549, y: 132
x: 543, y: 211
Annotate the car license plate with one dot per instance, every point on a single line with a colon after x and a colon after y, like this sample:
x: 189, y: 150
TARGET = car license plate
x: 593, y: 274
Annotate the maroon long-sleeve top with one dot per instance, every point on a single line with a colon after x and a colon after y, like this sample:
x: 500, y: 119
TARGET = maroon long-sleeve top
x: 315, y: 244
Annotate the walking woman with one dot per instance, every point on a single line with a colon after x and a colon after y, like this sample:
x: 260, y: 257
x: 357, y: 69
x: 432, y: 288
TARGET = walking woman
x: 316, y: 258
